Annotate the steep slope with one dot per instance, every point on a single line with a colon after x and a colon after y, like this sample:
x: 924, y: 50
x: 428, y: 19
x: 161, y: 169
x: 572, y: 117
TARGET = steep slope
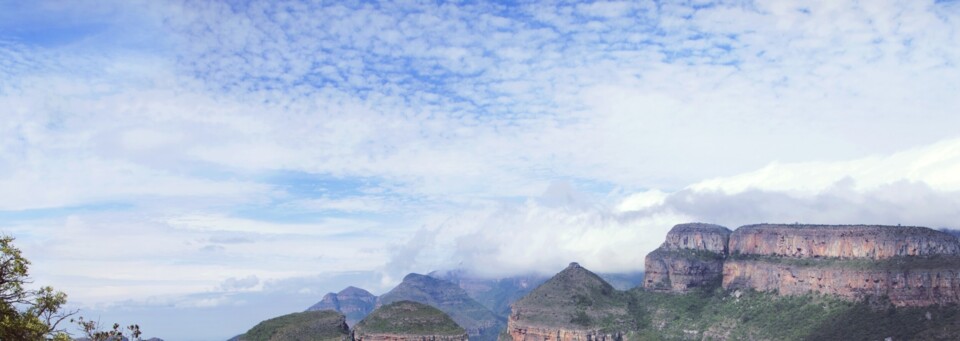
x: 495, y: 294
x: 575, y: 304
x: 479, y: 322
x: 911, y: 266
x: 323, y: 325
x: 353, y: 302
x: 691, y: 257
x: 408, y: 321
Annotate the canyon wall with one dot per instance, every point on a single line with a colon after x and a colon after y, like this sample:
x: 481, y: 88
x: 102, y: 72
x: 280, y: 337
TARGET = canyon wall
x: 910, y: 266
x: 522, y: 332
x: 691, y: 257
x: 846, y: 241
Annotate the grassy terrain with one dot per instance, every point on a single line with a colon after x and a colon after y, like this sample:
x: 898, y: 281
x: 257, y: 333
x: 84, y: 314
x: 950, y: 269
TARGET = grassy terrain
x: 305, y: 326
x: 716, y: 314
x: 577, y: 299
x: 411, y: 318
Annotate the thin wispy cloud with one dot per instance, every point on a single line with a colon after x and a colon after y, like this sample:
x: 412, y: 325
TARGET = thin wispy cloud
x: 222, y: 142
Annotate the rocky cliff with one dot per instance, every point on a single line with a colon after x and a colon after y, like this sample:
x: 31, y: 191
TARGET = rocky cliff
x: 353, y: 302
x: 910, y: 266
x: 574, y: 305
x: 691, y: 257
x: 479, y: 322
x: 408, y: 321
x: 842, y: 241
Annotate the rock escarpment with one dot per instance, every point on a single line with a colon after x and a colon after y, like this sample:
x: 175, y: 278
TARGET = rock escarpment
x: 408, y: 321
x: 574, y: 305
x: 353, y: 302
x: 910, y: 266
x: 846, y: 241
x: 479, y: 322
x: 691, y: 257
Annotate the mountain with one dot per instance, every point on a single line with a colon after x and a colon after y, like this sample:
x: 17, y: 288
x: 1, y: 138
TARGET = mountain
x: 575, y: 304
x: 495, y: 294
x: 479, y: 322
x: 353, y: 302
x: 909, y: 266
x: 408, y: 321
x: 325, y: 325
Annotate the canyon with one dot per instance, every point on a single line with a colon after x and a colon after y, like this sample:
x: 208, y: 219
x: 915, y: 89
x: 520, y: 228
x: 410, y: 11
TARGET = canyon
x: 909, y: 266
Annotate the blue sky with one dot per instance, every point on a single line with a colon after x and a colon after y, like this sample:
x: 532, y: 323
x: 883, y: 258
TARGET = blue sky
x: 177, y: 164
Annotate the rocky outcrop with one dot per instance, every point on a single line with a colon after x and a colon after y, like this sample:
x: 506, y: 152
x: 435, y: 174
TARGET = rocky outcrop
x: 842, y: 241
x: 531, y: 333
x: 698, y: 236
x: 575, y: 304
x: 691, y: 257
x: 903, y: 286
x: 353, y: 302
x: 408, y: 321
x: 910, y: 266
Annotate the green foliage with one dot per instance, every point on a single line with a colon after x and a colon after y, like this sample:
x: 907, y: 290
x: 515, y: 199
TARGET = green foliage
x: 408, y: 317
x: 26, y: 314
x: 93, y: 331
x: 304, y: 326
x: 893, y: 263
x: 756, y: 315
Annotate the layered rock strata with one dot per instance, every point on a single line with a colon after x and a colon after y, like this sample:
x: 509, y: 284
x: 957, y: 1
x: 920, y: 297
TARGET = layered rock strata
x: 903, y: 287
x: 910, y: 266
x: 691, y: 257
x: 845, y: 241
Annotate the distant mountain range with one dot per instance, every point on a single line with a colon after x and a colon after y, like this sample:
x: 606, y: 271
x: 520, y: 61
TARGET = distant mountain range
x: 759, y: 282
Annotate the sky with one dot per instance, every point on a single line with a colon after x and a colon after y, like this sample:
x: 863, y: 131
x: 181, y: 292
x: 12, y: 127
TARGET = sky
x: 199, y: 166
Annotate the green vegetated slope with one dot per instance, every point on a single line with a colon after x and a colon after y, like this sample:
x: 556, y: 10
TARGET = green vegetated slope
x: 409, y: 318
x: 576, y: 299
x: 480, y: 322
x: 748, y: 315
x: 304, y: 326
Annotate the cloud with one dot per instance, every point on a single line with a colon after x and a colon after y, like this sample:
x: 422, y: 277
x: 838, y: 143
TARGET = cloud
x: 234, y: 284
x: 282, y: 139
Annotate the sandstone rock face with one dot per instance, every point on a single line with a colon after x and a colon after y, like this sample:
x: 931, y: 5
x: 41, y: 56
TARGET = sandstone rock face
x: 520, y: 332
x: 911, y: 266
x: 691, y: 257
x: 904, y: 287
x: 698, y: 236
x: 841, y: 241
x: 408, y: 337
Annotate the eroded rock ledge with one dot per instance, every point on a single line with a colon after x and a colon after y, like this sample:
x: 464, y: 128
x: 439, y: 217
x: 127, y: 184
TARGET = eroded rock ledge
x: 911, y: 266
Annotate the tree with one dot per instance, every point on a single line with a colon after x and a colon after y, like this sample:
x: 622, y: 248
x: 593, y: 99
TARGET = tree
x: 27, y: 314
x: 93, y: 332
x: 36, y: 314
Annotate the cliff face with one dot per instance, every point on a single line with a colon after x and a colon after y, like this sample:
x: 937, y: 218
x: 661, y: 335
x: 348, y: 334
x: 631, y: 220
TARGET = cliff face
x: 851, y: 241
x: 903, y: 286
x: 912, y: 266
x: 692, y: 256
x: 528, y: 333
